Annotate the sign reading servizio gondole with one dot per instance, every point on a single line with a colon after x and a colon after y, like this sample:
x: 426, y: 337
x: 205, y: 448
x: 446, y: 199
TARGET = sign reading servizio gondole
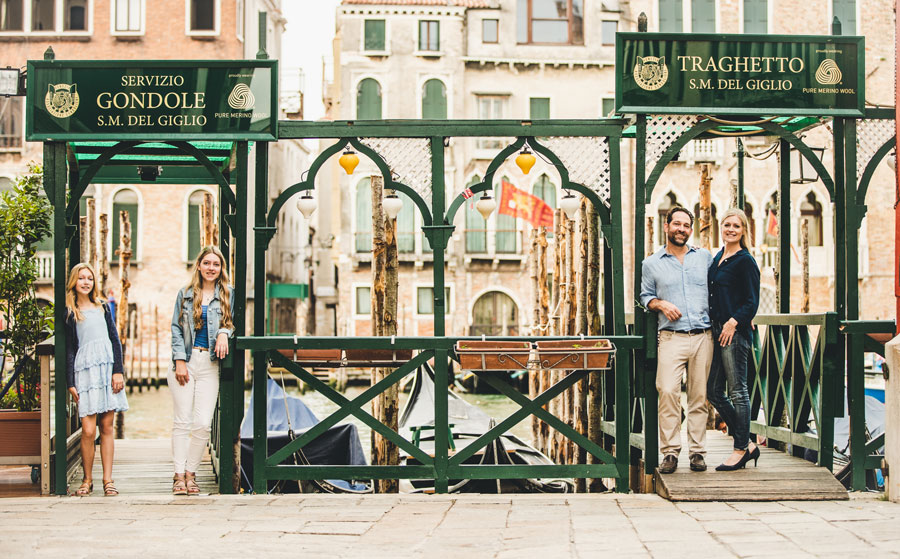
x: 151, y: 100
x: 740, y: 74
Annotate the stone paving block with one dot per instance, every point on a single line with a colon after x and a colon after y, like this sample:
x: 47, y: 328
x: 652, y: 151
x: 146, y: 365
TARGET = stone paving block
x: 336, y: 528
x: 758, y: 507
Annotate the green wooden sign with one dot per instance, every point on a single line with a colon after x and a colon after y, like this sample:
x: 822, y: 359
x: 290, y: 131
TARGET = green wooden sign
x: 151, y: 100
x: 740, y: 74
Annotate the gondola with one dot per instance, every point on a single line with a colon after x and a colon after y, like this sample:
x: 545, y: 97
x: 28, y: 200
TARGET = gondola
x: 469, y: 422
x: 288, y: 417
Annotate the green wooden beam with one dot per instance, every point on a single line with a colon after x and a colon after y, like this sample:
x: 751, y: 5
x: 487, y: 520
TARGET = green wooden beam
x: 292, y: 129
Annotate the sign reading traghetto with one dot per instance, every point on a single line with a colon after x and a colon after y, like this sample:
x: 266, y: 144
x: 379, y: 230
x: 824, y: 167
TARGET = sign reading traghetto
x: 740, y: 74
x: 151, y: 100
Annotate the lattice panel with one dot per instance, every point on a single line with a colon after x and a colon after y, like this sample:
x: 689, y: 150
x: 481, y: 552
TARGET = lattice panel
x: 871, y: 134
x: 586, y: 159
x: 662, y: 132
x: 409, y: 160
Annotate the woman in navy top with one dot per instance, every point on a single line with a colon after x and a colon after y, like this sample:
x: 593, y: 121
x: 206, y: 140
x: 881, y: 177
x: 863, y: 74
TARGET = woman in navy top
x: 733, y: 300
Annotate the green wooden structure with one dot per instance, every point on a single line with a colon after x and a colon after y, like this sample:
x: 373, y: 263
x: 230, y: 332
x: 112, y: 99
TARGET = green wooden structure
x: 793, y: 375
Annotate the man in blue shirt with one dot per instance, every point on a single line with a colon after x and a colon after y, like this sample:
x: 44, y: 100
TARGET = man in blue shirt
x: 673, y: 283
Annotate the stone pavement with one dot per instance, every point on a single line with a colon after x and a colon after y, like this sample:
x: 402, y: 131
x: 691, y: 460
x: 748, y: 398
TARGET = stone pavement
x: 433, y: 526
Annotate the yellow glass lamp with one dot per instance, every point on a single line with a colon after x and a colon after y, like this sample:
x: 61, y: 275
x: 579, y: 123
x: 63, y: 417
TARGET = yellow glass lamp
x: 525, y: 160
x: 349, y: 161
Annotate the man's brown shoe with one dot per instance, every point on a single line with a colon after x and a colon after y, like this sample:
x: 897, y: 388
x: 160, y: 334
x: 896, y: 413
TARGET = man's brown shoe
x: 698, y: 464
x: 669, y: 463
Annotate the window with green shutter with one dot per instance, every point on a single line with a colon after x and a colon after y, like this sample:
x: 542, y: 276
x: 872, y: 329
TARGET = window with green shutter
x: 671, y: 16
x: 476, y: 226
x: 434, y: 99
x: 845, y: 11
x: 425, y: 300
x: 703, y: 16
x: 756, y: 16
x: 364, y: 215
x: 368, y: 100
x: 506, y: 227
x: 607, y: 107
x: 374, y: 35
x: 429, y: 35
x: 363, y: 298
x: 124, y: 201
x: 539, y: 108
x: 194, y: 237
x: 406, y: 225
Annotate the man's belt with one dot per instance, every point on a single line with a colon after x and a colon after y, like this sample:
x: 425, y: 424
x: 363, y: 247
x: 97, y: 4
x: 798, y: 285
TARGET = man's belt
x: 693, y: 332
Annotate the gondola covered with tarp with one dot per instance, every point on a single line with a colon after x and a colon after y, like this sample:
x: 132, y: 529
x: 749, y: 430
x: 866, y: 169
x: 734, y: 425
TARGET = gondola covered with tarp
x: 288, y: 418
x: 468, y: 423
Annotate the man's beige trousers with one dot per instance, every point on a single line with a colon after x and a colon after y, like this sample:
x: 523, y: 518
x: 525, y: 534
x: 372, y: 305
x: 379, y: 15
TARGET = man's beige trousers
x: 679, y: 353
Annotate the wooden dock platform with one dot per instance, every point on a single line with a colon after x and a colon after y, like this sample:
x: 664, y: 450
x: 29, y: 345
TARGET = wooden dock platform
x: 144, y: 466
x: 779, y: 477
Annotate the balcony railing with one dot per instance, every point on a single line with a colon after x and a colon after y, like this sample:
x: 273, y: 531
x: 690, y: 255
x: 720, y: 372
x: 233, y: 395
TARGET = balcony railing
x: 44, y: 261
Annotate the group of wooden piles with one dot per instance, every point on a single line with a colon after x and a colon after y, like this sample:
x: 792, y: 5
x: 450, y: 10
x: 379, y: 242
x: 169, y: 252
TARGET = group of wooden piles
x: 566, y: 304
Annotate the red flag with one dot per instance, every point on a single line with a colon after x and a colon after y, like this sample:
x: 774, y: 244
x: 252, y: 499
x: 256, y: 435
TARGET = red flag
x: 772, y: 225
x: 467, y: 193
x: 516, y: 203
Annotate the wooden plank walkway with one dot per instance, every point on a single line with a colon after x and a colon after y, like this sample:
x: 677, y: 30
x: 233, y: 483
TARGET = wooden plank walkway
x: 144, y: 467
x: 779, y: 477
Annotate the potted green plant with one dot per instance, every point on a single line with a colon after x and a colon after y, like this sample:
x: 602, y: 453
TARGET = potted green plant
x: 25, y: 216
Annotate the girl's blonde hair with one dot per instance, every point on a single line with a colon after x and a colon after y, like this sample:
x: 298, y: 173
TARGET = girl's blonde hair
x: 72, y: 296
x: 745, y: 225
x: 222, y: 283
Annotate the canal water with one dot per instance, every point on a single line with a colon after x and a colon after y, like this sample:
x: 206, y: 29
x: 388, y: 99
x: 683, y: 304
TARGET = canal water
x: 150, y: 412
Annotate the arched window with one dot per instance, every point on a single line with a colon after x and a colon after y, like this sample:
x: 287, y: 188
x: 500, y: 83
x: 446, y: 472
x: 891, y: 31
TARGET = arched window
x: 668, y: 202
x: 811, y: 209
x: 125, y: 200
x: 506, y: 226
x: 434, y: 99
x: 714, y: 239
x: 771, y: 236
x: 748, y: 211
x: 363, y: 236
x: 406, y: 225
x: 194, y: 225
x: 546, y: 191
x: 368, y: 99
x: 476, y: 226
x: 495, y: 314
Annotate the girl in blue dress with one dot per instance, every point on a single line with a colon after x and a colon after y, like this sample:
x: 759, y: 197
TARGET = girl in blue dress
x: 94, y: 372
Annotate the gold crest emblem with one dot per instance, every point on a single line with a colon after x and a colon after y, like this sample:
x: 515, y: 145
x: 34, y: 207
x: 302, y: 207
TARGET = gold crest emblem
x: 61, y: 99
x: 650, y: 72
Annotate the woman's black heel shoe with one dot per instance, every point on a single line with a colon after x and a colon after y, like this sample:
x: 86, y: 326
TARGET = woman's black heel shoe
x: 754, y: 456
x: 740, y: 463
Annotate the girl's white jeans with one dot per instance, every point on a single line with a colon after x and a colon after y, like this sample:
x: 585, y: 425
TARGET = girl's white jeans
x: 194, y: 405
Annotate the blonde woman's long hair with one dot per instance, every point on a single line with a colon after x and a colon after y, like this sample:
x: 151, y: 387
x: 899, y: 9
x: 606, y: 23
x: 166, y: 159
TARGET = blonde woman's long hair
x: 72, y: 296
x: 745, y: 225
x: 222, y: 283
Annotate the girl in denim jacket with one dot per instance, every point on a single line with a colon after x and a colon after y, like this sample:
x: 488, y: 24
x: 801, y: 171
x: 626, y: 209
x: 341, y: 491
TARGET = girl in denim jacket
x: 201, y: 326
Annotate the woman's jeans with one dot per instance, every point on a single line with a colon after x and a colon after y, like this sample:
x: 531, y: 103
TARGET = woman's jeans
x: 729, y: 368
x: 194, y: 406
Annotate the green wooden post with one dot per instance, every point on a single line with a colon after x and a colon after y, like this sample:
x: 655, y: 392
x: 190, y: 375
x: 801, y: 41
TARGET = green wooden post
x: 784, y: 228
x: 855, y: 373
x: 55, y: 183
x: 740, y: 173
x: 441, y: 374
x: 623, y: 358
x: 260, y: 435
x: 831, y: 368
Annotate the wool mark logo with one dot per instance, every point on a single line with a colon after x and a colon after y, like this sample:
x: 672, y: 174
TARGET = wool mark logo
x: 650, y: 72
x: 61, y: 100
x: 241, y: 98
x: 828, y: 72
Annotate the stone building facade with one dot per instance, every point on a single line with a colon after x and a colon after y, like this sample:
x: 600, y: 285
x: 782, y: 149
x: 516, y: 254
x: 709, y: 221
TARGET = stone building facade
x: 144, y: 29
x: 532, y: 59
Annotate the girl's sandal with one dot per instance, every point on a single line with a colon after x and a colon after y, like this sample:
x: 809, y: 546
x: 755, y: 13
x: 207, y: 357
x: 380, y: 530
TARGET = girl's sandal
x: 109, y: 489
x: 190, y: 480
x: 85, y: 489
x: 178, y: 486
